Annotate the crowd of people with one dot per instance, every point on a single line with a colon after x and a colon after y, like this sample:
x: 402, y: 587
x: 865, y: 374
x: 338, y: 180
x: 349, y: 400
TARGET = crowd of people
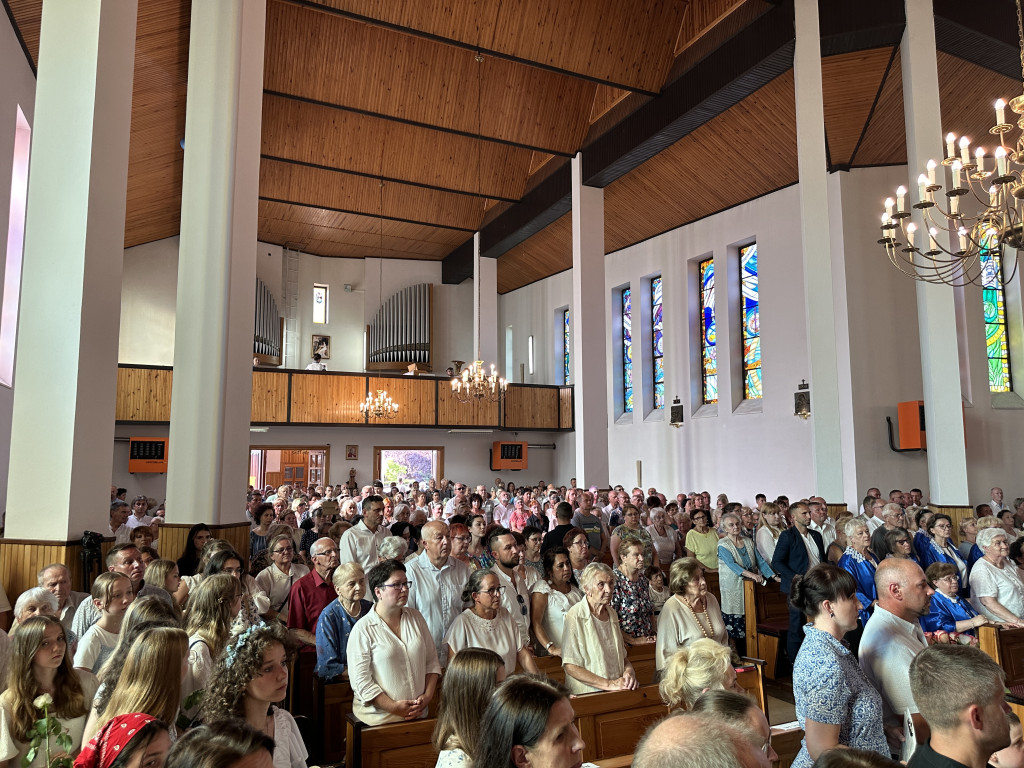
x: 445, y: 591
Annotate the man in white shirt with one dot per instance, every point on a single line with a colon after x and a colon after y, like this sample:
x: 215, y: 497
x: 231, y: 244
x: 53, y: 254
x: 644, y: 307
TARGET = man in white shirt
x: 316, y: 365
x: 875, y: 492
x: 821, y: 523
x: 516, y: 596
x: 996, y: 501
x: 119, y: 529
x: 453, y: 503
x: 359, y: 543
x: 437, y: 582
x: 873, y: 516
x: 56, y: 578
x: 139, y: 513
x: 892, y: 638
x: 503, y: 509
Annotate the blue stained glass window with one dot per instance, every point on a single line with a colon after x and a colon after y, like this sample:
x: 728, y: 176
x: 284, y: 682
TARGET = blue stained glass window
x: 657, y: 343
x: 708, y: 354
x: 627, y: 353
x: 566, y: 366
x: 751, y: 319
x: 994, y: 299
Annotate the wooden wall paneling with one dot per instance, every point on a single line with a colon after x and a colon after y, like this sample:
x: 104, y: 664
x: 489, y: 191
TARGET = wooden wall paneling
x: 331, y: 233
x: 173, y: 537
x: 269, y: 397
x: 452, y: 413
x: 565, y: 406
x: 143, y: 394
x: 236, y: 534
x: 415, y: 398
x: 531, y: 408
x: 324, y: 399
x: 21, y: 560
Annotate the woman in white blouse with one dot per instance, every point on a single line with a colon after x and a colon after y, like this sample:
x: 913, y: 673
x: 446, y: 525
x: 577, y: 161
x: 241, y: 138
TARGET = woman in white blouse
x: 486, y: 624
x: 392, y: 664
x: 593, y: 651
x: 996, y: 591
x: 768, y: 531
x: 276, y: 580
x: 551, y: 599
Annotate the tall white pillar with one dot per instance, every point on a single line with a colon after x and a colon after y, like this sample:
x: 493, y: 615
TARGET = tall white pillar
x: 589, y: 331
x: 63, y: 420
x: 817, y: 258
x: 212, y: 395
x: 936, y: 310
x: 485, y: 304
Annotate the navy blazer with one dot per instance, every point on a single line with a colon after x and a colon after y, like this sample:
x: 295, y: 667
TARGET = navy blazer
x: 790, y: 558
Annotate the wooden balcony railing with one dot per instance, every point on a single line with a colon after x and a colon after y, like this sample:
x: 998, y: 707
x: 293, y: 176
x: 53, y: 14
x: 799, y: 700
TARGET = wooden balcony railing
x: 327, y: 398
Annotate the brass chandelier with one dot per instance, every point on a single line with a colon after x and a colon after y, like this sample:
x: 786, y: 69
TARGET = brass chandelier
x: 969, y: 214
x: 379, y: 407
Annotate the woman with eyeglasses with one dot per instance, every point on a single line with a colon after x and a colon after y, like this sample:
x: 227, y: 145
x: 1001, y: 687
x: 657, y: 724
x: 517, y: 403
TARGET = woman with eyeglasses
x: 486, y: 624
x: 392, y: 663
x: 949, y: 612
x: 276, y: 579
x: 939, y: 548
x: 897, y: 541
x: 996, y: 591
x: 702, y: 541
x: 578, y: 544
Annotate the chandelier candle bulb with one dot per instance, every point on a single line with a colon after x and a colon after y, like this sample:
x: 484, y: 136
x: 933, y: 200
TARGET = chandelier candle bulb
x: 932, y: 245
x: 889, y: 203
x: 922, y: 188
x: 1000, y: 161
x: 931, y: 172
x: 950, y: 145
x: 993, y: 195
x: 957, y: 165
x: 979, y: 158
x: 901, y: 203
x: 911, y: 231
x: 965, y: 151
x: 1000, y: 114
x: 954, y: 206
x: 962, y: 234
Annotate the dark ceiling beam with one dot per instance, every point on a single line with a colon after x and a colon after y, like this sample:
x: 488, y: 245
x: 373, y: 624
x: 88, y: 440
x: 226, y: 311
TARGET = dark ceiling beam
x: 389, y: 179
x: 364, y: 214
x: 984, y: 36
x: 415, y: 123
x: 861, y: 26
x: 310, y: 4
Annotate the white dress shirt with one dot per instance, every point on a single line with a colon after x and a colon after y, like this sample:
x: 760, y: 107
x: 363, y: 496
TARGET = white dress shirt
x: 359, y: 545
x: 437, y: 594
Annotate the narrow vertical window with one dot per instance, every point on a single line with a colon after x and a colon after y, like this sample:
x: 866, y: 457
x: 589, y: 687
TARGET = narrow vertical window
x: 627, y: 353
x: 529, y: 353
x: 657, y: 344
x: 566, y: 364
x: 751, y: 319
x: 994, y: 298
x: 709, y: 358
x: 320, y: 296
x: 11, y: 287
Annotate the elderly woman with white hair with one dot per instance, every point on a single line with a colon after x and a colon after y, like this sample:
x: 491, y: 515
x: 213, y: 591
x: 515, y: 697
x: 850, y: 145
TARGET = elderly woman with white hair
x: 738, y: 559
x: 39, y: 601
x: 996, y: 590
x: 392, y: 548
x: 860, y: 562
x: 593, y: 651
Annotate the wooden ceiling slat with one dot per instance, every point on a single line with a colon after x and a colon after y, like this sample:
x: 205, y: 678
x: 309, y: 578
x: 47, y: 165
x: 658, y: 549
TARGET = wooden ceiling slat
x: 885, y: 140
x: 314, y: 134
x: 361, y: 194
x: 626, y: 43
x: 850, y: 82
x: 336, y: 60
x: 699, y: 18
x: 28, y: 15
x: 546, y: 253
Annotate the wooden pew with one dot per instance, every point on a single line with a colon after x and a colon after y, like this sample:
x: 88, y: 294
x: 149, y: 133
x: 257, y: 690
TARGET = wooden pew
x: 1006, y: 646
x: 610, y: 723
x: 767, y: 621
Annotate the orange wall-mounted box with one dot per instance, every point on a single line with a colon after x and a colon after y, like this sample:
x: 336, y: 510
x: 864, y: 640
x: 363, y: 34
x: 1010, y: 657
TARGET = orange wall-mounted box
x: 147, y: 454
x: 508, y: 456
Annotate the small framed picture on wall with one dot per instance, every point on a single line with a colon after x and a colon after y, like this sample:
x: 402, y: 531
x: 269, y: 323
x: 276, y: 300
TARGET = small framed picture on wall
x: 351, y: 453
x: 321, y: 346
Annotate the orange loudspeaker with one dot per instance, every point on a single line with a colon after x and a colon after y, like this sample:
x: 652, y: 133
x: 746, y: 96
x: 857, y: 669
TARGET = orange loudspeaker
x: 147, y: 454
x: 508, y: 456
x: 910, y: 416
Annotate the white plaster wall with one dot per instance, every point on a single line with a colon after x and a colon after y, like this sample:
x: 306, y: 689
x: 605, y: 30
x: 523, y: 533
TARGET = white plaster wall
x: 465, y: 454
x: 531, y: 311
x: 148, y: 295
x: 345, y: 313
x: 17, y: 88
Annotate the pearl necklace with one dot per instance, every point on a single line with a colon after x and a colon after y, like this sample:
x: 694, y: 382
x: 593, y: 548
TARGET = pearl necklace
x: 696, y: 618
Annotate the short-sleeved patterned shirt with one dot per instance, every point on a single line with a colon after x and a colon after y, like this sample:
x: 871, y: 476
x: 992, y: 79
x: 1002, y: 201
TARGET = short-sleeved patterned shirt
x: 830, y: 688
x: 632, y: 602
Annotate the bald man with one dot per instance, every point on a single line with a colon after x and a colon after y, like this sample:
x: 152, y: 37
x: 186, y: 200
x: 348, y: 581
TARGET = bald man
x: 313, y: 592
x: 437, y: 582
x: 892, y: 638
x: 692, y: 740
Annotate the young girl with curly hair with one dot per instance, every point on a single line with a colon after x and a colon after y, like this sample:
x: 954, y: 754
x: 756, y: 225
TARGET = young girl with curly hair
x: 40, y: 664
x: 250, y: 677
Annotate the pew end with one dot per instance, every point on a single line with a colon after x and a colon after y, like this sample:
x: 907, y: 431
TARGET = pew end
x: 766, y: 617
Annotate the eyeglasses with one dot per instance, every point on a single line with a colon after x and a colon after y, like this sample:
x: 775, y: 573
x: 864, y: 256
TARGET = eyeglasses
x: 582, y: 543
x: 285, y: 551
x: 400, y: 586
x: 327, y: 552
x: 493, y: 591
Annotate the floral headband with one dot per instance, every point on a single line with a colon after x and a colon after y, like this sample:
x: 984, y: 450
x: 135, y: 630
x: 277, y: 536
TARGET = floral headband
x: 231, y: 652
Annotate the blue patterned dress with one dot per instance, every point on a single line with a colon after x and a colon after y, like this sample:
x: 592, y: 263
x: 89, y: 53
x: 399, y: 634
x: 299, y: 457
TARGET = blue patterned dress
x: 830, y: 688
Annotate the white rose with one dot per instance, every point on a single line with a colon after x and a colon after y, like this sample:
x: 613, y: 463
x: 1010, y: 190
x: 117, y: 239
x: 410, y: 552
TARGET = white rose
x: 46, y: 700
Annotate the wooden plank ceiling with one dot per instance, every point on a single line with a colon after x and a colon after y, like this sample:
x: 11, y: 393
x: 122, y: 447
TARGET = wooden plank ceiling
x: 385, y: 134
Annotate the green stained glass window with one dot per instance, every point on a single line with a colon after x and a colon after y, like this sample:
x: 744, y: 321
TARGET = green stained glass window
x: 994, y: 300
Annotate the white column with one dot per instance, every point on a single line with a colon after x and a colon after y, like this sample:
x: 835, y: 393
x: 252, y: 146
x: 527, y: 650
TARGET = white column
x: 485, y: 305
x: 211, y: 400
x: 936, y: 310
x: 63, y: 421
x: 589, y: 331
x: 816, y: 245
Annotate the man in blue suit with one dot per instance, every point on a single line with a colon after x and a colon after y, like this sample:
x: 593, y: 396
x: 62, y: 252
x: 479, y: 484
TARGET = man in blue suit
x: 797, y: 550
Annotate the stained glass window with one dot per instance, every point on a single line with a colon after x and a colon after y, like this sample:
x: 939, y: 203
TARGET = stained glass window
x: 709, y: 358
x: 566, y: 367
x: 751, y: 319
x: 994, y: 299
x: 657, y: 344
x: 320, y: 303
x: 627, y: 353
